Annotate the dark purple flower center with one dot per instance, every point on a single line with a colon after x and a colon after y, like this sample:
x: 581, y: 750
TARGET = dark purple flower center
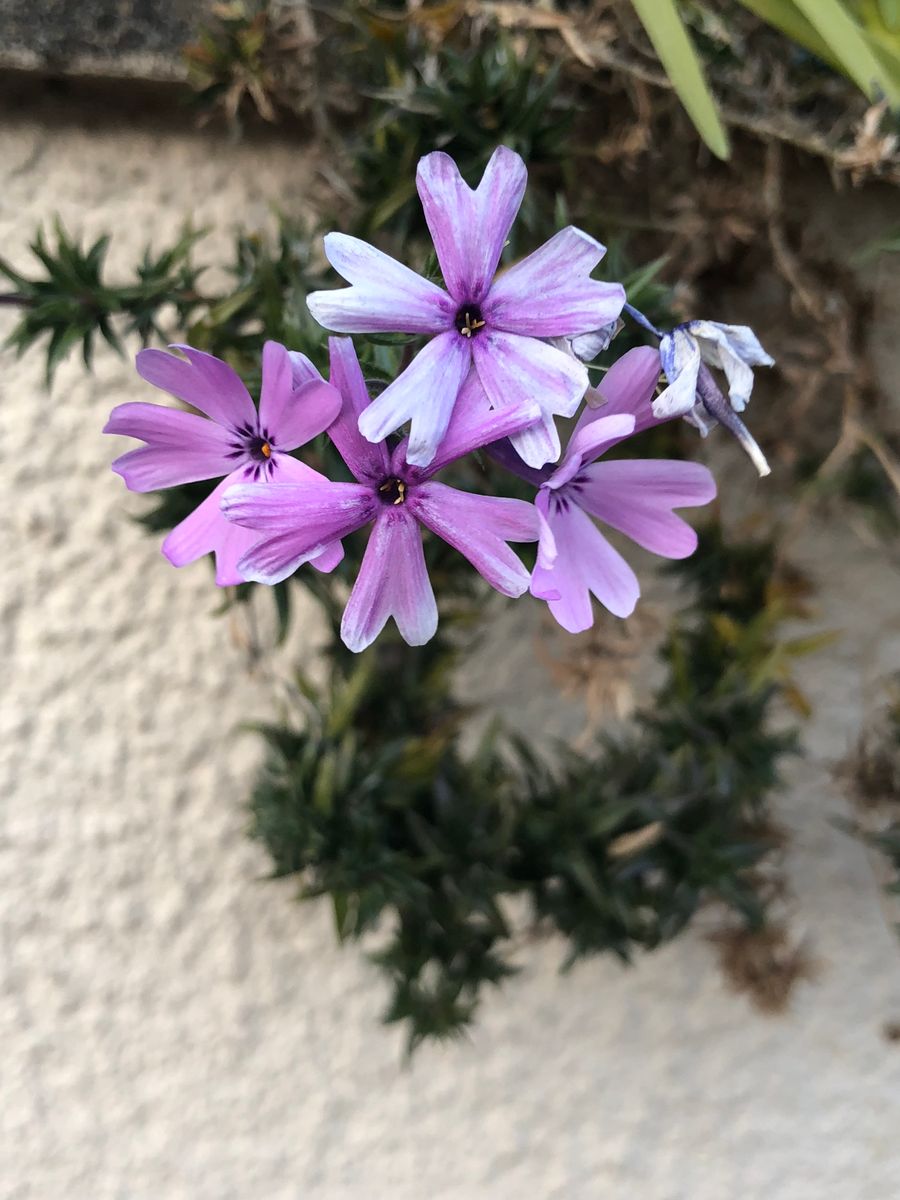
x: 256, y: 446
x: 259, y: 449
x: 469, y: 320
x: 392, y: 491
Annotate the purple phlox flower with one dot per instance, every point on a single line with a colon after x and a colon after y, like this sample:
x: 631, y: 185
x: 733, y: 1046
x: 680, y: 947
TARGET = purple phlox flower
x: 499, y: 324
x: 294, y: 522
x: 634, y: 496
x: 232, y: 439
x: 687, y: 353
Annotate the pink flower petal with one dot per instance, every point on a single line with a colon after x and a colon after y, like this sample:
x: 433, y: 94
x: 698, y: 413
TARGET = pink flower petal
x: 587, y: 442
x: 423, y: 394
x: 292, y: 470
x: 550, y: 293
x: 293, y: 408
x: 295, y: 523
x: 153, y: 468
x: 585, y: 563
x: 479, y: 528
x: 385, y: 296
x: 636, y: 496
x: 302, y: 508
x: 202, y: 381
x: 205, y: 531
x: 627, y: 388
x: 469, y: 228
x: 392, y: 582
x: 183, y: 447
x: 367, y: 460
x: 515, y: 370
x: 475, y: 424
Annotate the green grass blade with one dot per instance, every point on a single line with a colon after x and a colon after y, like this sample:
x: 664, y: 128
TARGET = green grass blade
x: 890, y: 14
x: 848, y: 43
x: 784, y: 16
x: 676, y: 53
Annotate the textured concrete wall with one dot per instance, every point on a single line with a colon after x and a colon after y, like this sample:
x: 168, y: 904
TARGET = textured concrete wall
x: 174, y: 1027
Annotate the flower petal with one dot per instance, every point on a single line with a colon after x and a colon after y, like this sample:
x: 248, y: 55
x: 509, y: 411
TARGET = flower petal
x: 516, y: 369
x: 587, y: 443
x: 183, y: 447
x: 585, y: 562
x: 169, y: 427
x: 385, y: 296
x: 369, y: 461
x: 205, y: 531
x: 680, y: 356
x: 626, y: 388
x: 587, y: 346
x: 741, y: 338
x: 732, y: 348
x: 469, y: 228
x: 295, y: 523
x: 202, y: 381
x: 479, y: 528
x: 423, y: 394
x: 550, y: 293
x: 475, y: 424
x: 636, y: 496
x: 392, y: 581
x: 302, y: 508
x: 292, y: 470
x: 152, y: 468
x: 293, y: 408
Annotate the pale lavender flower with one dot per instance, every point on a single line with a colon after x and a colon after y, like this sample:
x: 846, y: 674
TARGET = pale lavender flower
x: 499, y: 324
x: 687, y: 353
x: 293, y: 523
x: 634, y: 496
x: 232, y: 439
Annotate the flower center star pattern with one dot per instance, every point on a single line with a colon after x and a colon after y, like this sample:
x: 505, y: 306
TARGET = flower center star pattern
x: 498, y: 324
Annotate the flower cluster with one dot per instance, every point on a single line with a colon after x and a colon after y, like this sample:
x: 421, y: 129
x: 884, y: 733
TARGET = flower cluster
x: 502, y: 360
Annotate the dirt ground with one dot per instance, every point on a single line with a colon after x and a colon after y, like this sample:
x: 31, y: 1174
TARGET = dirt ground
x: 173, y: 1026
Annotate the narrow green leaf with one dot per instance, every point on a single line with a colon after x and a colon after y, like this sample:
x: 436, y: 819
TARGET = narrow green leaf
x: 848, y: 43
x: 890, y: 14
x: 676, y: 53
x: 784, y: 16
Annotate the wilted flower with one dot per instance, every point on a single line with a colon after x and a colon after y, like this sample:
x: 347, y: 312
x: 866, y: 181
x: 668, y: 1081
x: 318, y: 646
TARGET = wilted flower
x: 295, y: 522
x: 634, y: 496
x: 232, y: 439
x: 687, y: 353
x: 499, y: 324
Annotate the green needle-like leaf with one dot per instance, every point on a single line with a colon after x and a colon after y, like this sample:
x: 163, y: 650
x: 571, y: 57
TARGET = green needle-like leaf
x: 670, y: 40
x: 848, y: 43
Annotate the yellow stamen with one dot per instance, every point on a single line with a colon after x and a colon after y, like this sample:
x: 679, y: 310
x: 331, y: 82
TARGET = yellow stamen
x: 471, y: 325
x: 401, y: 488
x: 266, y: 450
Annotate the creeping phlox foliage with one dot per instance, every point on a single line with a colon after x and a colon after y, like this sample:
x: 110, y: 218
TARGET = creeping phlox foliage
x: 502, y: 359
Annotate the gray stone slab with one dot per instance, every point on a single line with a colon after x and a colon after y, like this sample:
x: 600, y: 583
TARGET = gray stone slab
x: 139, y: 39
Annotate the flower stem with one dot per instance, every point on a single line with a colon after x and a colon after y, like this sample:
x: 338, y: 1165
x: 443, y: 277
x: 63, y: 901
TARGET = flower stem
x: 638, y: 316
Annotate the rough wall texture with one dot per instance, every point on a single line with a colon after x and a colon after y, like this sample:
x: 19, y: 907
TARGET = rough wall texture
x: 174, y: 1027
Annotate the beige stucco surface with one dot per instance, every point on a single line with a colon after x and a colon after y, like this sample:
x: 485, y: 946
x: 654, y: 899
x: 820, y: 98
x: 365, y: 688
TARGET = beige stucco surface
x: 172, y: 1026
